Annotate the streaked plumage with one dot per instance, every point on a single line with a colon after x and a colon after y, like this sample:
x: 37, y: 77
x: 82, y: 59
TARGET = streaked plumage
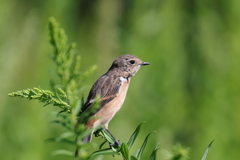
x: 112, y: 88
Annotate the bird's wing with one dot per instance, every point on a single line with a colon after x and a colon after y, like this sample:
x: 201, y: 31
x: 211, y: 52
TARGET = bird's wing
x: 107, y: 87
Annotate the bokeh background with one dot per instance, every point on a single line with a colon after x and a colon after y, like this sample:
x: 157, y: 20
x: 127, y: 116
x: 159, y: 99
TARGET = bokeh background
x: 189, y: 94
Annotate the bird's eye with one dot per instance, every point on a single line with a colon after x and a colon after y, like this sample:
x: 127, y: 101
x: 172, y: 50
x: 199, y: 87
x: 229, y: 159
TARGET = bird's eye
x: 132, y: 61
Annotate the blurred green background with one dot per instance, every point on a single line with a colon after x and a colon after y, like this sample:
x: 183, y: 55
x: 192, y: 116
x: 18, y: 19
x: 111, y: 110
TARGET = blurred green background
x: 189, y: 94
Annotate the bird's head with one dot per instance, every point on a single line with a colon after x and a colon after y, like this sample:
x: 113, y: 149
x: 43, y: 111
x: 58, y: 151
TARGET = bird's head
x: 127, y: 65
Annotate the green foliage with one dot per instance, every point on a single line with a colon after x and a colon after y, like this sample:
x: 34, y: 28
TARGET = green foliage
x: 154, y: 153
x: 140, y: 152
x: 134, y: 136
x: 178, y: 153
x: 65, y: 88
x: 63, y: 56
x: 207, y: 150
x: 62, y: 152
x: 107, y: 151
x: 124, y: 149
x: 67, y: 63
x: 65, y: 137
x: 64, y: 93
x: 45, y: 96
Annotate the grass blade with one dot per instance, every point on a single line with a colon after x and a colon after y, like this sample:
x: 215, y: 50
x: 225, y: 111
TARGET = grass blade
x: 59, y: 139
x: 107, y: 151
x: 102, y: 144
x: 62, y: 152
x: 125, y: 151
x: 133, y: 157
x: 206, y: 152
x: 63, y: 123
x: 153, y: 154
x: 134, y: 136
x: 65, y: 137
x: 139, y: 154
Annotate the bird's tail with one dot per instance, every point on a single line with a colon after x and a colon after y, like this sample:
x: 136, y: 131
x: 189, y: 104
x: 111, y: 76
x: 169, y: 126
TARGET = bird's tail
x: 85, y: 140
x: 88, y: 138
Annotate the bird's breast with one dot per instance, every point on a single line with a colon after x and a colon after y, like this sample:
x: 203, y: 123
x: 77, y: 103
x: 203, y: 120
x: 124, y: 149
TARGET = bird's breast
x: 111, y: 108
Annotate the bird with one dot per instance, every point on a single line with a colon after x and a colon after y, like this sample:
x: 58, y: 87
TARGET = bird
x: 111, y: 88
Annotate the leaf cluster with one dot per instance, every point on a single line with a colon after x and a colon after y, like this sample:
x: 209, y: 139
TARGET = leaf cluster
x: 44, y: 96
x: 64, y: 92
x: 124, y: 149
x: 65, y: 88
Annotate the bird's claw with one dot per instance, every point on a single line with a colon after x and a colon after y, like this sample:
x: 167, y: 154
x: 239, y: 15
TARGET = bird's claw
x: 97, y: 133
x: 116, y: 143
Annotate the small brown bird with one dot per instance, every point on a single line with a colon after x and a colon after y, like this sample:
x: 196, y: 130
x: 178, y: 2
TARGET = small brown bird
x: 111, y: 88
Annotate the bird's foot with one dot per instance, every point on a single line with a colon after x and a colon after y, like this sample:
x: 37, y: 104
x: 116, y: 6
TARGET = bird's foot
x: 116, y: 143
x: 97, y: 133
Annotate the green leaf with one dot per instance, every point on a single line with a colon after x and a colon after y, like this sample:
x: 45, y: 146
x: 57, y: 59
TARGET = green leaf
x: 134, y: 136
x: 87, y: 132
x: 64, y: 124
x: 139, y: 154
x: 88, y: 72
x: 125, y: 152
x: 206, y: 152
x: 58, y: 139
x: 61, y: 93
x: 90, y: 111
x: 62, y: 138
x: 77, y: 108
x: 101, y: 145
x: 67, y: 135
x: 153, y: 154
x: 133, y: 157
x: 179, y: 152
x: 107, y: 151
x: 107, y: 136
x: 44, y: 96
x: 59, y: 115
x: 62, y: 152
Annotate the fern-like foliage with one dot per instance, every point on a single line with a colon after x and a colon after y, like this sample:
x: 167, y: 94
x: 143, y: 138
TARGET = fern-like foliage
x: 65, y: 87
x: 64, y: 93
x: 44, y: 96
x: 67, y: 63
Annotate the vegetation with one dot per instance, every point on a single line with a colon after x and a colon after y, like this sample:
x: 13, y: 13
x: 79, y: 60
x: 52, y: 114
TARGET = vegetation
x: 188, y: 95
x: 64, y: 95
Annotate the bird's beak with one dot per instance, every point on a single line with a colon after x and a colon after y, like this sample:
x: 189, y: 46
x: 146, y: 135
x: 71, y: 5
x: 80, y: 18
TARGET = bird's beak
x: 144, y: 63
